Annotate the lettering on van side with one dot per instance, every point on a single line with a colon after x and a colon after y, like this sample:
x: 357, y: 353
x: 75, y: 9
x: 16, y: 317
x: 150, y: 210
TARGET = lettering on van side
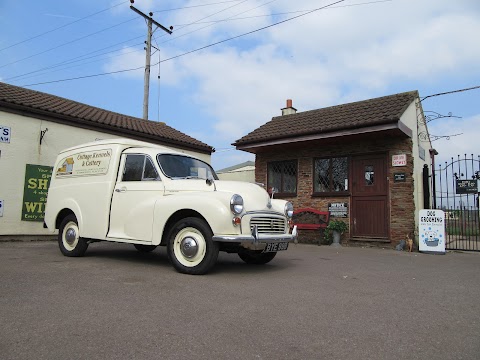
x: 85, y: 164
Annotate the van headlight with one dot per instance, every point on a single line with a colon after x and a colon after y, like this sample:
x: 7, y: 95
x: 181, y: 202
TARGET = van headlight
x: 289, y: 209
x: 236, y: 204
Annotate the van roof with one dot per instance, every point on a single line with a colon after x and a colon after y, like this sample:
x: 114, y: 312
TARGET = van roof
x: 127, y: 143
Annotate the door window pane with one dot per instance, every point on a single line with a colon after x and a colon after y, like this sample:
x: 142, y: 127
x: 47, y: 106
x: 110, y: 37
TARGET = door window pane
x: 138, y: 168
x: 150, y: 173
x: 133, y: 170
x: 369, y: 175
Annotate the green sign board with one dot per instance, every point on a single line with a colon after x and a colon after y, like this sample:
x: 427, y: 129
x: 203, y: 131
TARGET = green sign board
x: 37, y: 180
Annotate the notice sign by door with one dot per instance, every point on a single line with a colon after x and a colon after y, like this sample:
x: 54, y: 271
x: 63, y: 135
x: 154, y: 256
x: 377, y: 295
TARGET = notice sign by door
x: 431, y: 237
x: 399, y: 160
x: 338, y: 209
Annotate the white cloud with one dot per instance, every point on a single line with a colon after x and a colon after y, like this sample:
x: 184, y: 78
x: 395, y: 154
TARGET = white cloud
x: 325, y: 58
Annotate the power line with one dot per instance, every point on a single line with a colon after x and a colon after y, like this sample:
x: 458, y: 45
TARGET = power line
x: 243, y: 12
x: 62, y: 66
x: 86, y: 76
x: 195, y: 6
x: 99, y: 12
x: 451, y: 92
x: 278, y: 14
x: 251, y: 32
x: 63, y: 26
x: 83, y: 37
x: 192, y: 51
x: 79, y: 58
x: 218, y: 12
x: 67, y: 43
x: 86, y: 56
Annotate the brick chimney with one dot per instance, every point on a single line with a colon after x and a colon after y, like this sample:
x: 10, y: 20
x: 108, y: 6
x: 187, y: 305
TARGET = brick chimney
x: 289, y: 109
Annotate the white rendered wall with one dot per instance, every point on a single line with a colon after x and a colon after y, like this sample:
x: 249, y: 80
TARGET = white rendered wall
x: 24, y: 148
x: 239, y: 175
x: 413, y: 118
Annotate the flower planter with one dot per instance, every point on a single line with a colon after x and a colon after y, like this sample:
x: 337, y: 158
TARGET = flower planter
x: 336, y: 238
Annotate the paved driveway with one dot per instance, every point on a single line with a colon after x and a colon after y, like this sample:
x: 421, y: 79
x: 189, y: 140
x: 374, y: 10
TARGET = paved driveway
x: 311, y: 302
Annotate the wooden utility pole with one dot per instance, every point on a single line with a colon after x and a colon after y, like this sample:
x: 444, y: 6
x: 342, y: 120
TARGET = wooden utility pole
x: 148, y: 51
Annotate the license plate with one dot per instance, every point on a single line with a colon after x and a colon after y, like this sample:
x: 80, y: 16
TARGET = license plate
x: 273, y: 247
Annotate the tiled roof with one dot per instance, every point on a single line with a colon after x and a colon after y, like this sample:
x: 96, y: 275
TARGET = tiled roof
x: 378, y: 111
x: 74, y: 113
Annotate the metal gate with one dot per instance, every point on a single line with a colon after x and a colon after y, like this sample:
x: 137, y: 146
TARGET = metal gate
x: 455, y: 191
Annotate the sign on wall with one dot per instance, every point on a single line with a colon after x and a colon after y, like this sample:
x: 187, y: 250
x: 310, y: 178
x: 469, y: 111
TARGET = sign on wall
x: 421, y: 152
x: 399, y: 160
x: 37, y: 180
x: 1, y: 208
x: 338, y: 209
x: 399, y: 177
x: 431, y: 231
x: 466, y: 186
x: 5, y: 134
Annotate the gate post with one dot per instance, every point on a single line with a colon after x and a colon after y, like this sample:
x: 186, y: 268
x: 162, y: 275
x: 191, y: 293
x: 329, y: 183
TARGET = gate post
x: 426, y: 188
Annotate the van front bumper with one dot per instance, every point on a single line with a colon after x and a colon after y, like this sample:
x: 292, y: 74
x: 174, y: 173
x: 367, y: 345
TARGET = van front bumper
x: 257, y: 239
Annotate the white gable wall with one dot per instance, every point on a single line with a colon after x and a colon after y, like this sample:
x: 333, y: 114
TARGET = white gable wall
x: 413, y: 118
x: 24, y: 148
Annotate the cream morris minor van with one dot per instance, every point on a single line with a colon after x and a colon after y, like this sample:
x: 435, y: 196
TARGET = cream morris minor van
x: 146, y: 195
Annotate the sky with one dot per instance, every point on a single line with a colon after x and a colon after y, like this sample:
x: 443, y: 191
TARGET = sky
x: 317, y: 53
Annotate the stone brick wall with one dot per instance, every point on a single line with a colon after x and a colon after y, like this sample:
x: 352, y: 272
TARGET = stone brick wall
x: 400, y: 194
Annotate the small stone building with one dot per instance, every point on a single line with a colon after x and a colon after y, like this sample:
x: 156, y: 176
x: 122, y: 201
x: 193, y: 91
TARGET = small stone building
x: 35, y: 127
x: 363, y: 162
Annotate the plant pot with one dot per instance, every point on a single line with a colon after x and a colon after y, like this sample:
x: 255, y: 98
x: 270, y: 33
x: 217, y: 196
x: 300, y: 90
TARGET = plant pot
x: 336, y: 238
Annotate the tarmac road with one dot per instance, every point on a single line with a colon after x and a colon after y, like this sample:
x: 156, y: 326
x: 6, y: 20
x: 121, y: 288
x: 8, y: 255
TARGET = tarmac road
x: 310, y: 302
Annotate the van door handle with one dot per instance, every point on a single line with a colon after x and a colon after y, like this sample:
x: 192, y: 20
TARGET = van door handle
x: 123, y: 189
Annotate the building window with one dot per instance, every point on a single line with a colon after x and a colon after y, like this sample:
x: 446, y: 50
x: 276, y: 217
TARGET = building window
x: 330, y: 175
x: 282, y: 175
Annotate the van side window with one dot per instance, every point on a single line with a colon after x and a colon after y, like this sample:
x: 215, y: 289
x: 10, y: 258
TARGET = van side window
x: 149, y: 172
x: 139, y: 168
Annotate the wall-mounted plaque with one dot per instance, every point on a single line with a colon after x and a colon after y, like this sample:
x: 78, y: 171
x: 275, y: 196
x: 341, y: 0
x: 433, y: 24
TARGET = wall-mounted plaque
x: 399, y: 177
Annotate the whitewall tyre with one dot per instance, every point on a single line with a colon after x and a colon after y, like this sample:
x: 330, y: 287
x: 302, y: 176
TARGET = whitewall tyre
x: 69, y: 240
x: 190, y: 247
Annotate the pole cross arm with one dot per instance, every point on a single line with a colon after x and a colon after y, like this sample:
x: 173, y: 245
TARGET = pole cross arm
x: 149, y: 18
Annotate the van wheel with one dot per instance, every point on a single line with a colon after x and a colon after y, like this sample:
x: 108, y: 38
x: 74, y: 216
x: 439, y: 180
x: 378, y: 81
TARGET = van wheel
x: 190, y: 247
x: 69, y: 241
x: 144, y: 248
x: 256, y: 257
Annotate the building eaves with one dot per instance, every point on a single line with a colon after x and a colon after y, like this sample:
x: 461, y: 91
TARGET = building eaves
x: 54, y: 108
x: 359, y: 115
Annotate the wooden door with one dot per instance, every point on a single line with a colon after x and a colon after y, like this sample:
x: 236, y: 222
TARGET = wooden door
x: 370, y: 196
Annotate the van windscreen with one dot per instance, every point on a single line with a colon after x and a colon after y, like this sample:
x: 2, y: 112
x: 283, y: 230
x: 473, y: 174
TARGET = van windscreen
x: 184, y: 167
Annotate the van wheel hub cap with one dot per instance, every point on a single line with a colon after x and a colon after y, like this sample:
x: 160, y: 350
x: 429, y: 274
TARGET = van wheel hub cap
x: 189, y: 247
x: 70, y: 236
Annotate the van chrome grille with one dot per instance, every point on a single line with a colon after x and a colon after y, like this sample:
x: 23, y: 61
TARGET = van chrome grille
x: 268, y: 225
